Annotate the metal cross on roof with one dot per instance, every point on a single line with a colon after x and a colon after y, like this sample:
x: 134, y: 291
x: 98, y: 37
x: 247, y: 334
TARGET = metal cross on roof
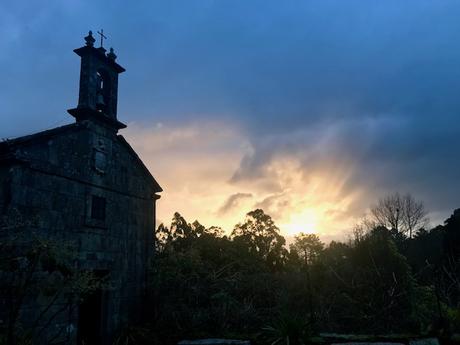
x: 102, y: 36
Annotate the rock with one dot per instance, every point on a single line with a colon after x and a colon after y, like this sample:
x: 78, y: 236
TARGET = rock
x: 367, y: 343
x: 214, y: 342
x: 425, y: 341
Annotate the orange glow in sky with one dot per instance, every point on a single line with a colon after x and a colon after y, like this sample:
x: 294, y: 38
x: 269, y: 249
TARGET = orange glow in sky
x: 195, y: 164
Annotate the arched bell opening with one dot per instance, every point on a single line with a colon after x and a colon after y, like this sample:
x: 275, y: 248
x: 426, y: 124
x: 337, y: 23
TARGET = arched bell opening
x: 103, y: 91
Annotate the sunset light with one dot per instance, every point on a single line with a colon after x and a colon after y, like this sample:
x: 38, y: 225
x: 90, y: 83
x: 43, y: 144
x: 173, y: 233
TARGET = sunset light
x: 302, y: 193
x: 222, y: 186
x: 230, y: 172
x: 306, y: 222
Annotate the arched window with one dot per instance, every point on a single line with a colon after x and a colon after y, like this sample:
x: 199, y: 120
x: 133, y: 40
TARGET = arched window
x: 103, y: 91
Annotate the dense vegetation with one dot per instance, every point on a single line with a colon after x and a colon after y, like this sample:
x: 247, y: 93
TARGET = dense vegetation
x: 393, y: 275
x: 249, y: 285
x: 37, y: 266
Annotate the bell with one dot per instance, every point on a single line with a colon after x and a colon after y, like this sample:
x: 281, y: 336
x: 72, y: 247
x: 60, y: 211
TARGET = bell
x: 100, y: 100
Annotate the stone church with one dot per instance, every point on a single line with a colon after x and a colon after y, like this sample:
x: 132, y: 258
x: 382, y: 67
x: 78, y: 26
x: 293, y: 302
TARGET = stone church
x: 86, y: 184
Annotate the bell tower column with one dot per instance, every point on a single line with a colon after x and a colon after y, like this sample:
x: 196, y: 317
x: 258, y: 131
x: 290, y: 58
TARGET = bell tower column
x: 98, y: 84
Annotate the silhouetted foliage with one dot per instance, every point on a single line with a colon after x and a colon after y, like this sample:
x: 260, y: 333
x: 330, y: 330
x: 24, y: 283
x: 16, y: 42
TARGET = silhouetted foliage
x: 308, y: 247
x: 34, y: 266
x: 259, y: 235
x: 248, y: 285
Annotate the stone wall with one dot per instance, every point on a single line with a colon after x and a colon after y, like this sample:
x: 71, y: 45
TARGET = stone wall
x: 54, y: 181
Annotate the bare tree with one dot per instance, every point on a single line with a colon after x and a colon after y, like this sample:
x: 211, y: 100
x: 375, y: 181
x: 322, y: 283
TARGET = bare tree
x: 414, y: 214
x: 388, y: 211
x: 402, y: 213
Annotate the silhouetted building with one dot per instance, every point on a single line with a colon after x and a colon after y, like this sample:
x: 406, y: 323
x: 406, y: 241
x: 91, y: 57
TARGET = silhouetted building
x: 84, y: 183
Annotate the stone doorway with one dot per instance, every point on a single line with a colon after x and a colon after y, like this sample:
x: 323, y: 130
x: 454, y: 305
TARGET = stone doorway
x: 92, y: 316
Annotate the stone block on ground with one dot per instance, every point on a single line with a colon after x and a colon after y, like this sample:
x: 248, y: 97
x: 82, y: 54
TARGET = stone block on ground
x: 424, y: 341
x: 367, y: 343
x: 214, y: 342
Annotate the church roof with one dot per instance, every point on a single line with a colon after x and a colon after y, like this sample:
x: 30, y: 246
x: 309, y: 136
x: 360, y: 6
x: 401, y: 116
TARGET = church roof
x: 140, y: 162
x: 7, y: 147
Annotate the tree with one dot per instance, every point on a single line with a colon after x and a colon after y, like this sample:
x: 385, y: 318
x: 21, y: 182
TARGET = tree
x: 163, y: 238
x: 450, y: 268
x: 40, y: 267
x: 261, y: 237
x: 308, y: 247
x: 380, y: 286
x: 366, y: 285
x: 180, y: 227
x: 181, y: 234
x: 215, y: 231
x: 414, y: 214
x: 387, y: 212
x: 401, y: 213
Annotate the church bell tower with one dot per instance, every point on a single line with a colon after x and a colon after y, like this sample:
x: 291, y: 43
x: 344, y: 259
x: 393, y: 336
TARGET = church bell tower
x: 97, y: 99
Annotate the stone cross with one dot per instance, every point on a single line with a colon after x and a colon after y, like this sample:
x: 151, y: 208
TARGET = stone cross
x: 102, y: 36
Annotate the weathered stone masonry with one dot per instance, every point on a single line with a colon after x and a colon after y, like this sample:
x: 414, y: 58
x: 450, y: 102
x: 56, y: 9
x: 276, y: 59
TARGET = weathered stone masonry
x: 84, y: 183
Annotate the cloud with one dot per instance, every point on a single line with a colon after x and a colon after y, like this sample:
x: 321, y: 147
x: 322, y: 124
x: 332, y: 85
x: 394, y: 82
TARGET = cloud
x: 232, y: 202
x: 310, y: 107
x: 371, y: 156
x: 274, y: 204
x: 195, y: 164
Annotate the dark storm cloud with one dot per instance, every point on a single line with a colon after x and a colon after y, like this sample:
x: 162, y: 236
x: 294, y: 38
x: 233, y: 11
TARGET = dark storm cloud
x: 372, y: 82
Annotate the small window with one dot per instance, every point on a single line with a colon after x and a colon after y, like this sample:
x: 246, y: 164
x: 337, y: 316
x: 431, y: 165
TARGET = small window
x: 98, y: 208
x: 100, y: 161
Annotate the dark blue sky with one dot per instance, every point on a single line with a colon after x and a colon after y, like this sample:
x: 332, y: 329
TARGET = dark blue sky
x: 370, y: 85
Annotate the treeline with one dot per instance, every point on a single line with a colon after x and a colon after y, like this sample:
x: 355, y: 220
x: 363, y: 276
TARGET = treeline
x: 398, y: 279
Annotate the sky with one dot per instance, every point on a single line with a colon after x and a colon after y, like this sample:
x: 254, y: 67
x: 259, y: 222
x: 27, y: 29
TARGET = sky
x: 310, y: 110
